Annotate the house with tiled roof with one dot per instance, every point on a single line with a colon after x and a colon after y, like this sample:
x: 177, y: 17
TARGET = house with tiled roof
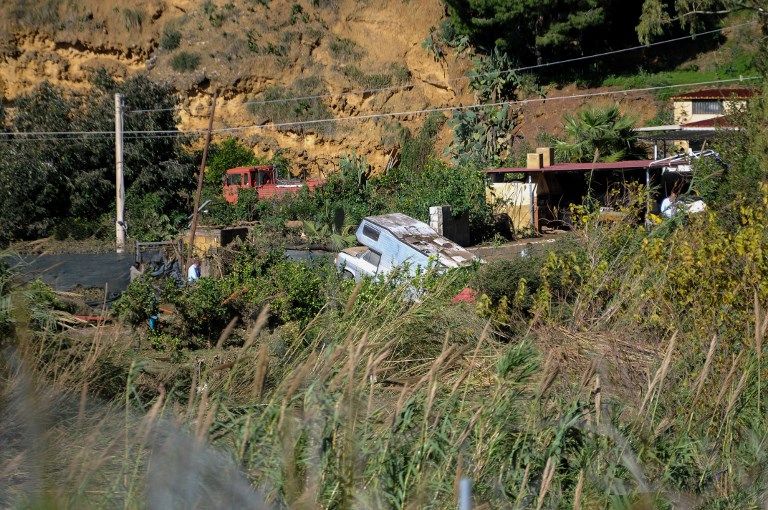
x: 709, y: 108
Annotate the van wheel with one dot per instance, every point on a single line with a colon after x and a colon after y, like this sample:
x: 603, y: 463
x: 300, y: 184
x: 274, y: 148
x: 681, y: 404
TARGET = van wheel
x: 347, y: 275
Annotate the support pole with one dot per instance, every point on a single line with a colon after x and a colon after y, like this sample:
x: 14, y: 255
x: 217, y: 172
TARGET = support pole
x: 119, y: 180
x: 465, y: 494
x: 198, y: 192
x: 533, y: 205
x: 647, y: 192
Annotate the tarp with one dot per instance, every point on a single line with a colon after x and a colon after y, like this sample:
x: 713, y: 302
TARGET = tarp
x: 66, y: 271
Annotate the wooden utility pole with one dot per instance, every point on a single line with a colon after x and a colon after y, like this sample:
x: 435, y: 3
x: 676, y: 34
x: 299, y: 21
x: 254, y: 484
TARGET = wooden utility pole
x: 198, y: 192
x: 119, y: 180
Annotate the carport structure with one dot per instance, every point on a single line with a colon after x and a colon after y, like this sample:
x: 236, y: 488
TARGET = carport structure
x: 538, y: 196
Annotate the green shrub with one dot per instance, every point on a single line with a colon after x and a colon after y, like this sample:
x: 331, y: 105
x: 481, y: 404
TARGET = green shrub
x: 185, y: 61
x: 365, y: 80
x: 170, y: 39
x: 75, y: 228
x: 298, y: 291
x: 138, y: 302
x: 201, y: 307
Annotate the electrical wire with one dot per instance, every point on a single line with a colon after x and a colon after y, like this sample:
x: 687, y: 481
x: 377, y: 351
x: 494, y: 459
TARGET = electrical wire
x: 68, y: 135
x: 360, y: 92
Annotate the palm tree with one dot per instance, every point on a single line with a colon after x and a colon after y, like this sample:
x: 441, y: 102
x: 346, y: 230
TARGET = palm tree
x: 598, y: 134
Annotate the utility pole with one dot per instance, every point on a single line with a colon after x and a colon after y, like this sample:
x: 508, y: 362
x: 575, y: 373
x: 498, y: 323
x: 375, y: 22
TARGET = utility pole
x: 198, y: 192
x: 119, y: 181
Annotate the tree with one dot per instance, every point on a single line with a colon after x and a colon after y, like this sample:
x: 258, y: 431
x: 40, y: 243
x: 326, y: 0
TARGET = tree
x: 693, y: 14
x: 57, y: 179
x: 230, y: 153
x: 602, y: 133
x: 535, y: 31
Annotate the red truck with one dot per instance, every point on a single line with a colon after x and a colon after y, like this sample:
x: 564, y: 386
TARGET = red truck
x: 264, y: 180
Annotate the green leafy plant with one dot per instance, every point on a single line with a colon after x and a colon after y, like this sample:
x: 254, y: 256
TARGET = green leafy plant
x: 602, y: 133
x: 138, y: 302
x: 170, y: 39
x: 185, y: 62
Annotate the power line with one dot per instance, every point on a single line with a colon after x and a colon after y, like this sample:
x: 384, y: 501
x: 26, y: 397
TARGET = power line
x: 158, y: 133
x: 410, y: 85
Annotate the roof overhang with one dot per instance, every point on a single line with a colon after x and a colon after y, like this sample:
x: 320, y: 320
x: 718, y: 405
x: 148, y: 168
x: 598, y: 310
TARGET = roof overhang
x: 681, y: 132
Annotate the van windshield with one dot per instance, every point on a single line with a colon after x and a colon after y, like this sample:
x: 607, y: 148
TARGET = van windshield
x: 234, y: 179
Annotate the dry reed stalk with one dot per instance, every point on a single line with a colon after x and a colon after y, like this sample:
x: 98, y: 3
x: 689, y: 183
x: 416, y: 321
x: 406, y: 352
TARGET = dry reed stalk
x: 459, y: 475
x: 734, y: 395
x: 523, y: 485
x: 82, y: 404
x: 149, y: 420
x: 661, y: 373
x: 352, y: 298
x: 262, y: 365
x: 202, y: 407
x: 551, y: 369
x: 205, y: 425
x: 588, y: 374
x: 261, y: 320
x: 246, y: 437
x: 727, y: 381
x: 597, y: 391
x: 399, y: 404
x: 546, y: 481
x: 705, y: 369
x: 469, y: 427
x: 227, y: 332
x: 298, y: 378
x: 662, y: 427
x: 192, y: 391
x: 578, y: 491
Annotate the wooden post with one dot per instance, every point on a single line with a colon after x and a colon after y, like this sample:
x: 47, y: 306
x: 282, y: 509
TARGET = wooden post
x: 119, y: 180
x: 198, y: 192
x: 533, y: 204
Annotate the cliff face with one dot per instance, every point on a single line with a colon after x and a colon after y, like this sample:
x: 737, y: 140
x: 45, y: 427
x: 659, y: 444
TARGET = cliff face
x: 248, y: 50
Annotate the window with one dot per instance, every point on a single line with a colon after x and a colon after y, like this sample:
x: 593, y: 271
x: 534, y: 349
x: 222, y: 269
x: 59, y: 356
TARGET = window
x: 245, y: 179
x: 707, y: 107
x: 371, y: 232
x: 234, y: 179
x: 372, y: 257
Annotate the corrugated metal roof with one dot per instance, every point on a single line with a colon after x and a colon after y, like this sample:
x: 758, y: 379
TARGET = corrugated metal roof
x: 579, y: 167
x: 733, y: 93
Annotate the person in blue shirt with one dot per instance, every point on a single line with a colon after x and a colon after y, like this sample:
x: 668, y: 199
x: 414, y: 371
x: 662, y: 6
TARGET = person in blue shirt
x: 193, y: 273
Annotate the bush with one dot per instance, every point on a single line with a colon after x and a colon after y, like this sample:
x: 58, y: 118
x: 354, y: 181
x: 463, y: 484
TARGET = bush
x: 170, y: 39
x: 138, y: 302
x: 75, y: 228
x: 184, y: 62
x: 298, y: 287
x: 201, y: 307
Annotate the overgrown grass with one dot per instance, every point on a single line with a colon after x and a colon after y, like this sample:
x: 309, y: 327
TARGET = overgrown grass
x: 387, y: 401
x: 185, y: 62
x: 133, y: 19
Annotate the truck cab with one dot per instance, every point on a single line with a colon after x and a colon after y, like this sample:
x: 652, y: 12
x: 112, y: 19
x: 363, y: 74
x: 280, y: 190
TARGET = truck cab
x: 246, y: 177
x: 263, y: 179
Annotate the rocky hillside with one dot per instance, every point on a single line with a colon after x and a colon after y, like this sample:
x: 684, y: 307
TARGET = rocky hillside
x: 246, y: 49
x: 255, y: 50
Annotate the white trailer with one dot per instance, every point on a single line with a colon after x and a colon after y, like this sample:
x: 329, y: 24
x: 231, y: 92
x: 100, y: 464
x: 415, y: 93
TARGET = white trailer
x: 394, y: 240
